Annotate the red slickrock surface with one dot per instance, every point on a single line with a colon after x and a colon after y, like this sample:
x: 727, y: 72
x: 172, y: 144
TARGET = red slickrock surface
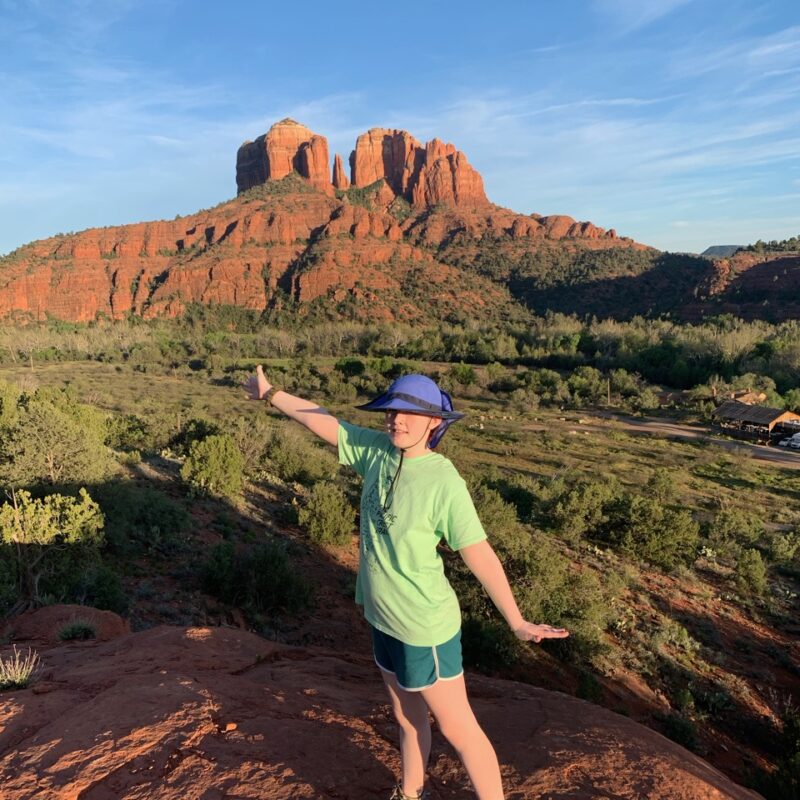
x: 173, y: 713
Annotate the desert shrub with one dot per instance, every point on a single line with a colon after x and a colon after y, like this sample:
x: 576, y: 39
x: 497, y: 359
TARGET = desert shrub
x: 783, y: 547
x: 350, y: 367
x: 252, y: 435
x: 388, y: 368
x: 294, y: 458
x: 54, y: 440
x: 340, y: 388
x: 548, y: 590
x: 100, y: 586
x: 520, y: 491
x: 463, y: 374
x: 751, y: 572
x: 731, y: 529
x: 643, y: 528
x: 193, y: 430
x: 548, y: 385
x: 78, y: 630
x: 589, y: 687
x: 141, y: 519
x: 784, y: 782
x: 129, y: 432
x: 587, y: 385
x: 49, y: 535
x: 260, y: 580
x: 623, y: 383
x: 679, y: 729
x: 581, y: 510
x: 523, y: 401
x: 661, y: 485
x: 214, y: 466
x: 674, y: 635
x: 9, y: 404
x: 9, y: 579
x: 328, y: 515
x: 488, y: 645
x: 646, y: 400
x: 17, y: 671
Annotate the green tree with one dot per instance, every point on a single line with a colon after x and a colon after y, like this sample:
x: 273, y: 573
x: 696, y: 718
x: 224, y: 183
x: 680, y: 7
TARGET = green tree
x: 38, y: 528
x: 661, y: 485
x: 214, y: 466
x: 54, y: 440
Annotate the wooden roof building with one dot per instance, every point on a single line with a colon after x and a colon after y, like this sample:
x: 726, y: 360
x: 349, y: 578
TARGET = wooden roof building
x: 756, y: 421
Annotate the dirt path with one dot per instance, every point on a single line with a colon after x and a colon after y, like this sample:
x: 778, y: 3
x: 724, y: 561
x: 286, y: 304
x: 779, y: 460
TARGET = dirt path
x: 674, y: 429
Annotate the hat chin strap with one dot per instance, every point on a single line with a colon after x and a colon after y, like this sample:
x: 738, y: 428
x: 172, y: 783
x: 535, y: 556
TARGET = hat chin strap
x: 387, y: 503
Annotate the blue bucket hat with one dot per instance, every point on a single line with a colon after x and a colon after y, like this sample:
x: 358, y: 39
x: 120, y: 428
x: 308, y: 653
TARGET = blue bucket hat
x: 417, y: 394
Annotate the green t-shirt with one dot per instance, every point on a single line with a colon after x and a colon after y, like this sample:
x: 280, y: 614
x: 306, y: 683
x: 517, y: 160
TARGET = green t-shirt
x: 401, y: 581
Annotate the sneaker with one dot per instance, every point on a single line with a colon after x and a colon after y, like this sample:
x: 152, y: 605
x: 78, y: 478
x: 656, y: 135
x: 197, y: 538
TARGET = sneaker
x: 397, y: 794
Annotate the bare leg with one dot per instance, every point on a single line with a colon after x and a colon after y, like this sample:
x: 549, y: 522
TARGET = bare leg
x: 411, y: 713
x: 447, y: 699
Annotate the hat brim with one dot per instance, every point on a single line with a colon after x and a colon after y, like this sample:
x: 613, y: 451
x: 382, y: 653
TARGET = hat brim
x: 384, y: 403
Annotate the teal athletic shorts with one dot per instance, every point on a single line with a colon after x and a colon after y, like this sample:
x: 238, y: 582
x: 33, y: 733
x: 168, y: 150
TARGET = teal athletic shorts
x: 415, y: 667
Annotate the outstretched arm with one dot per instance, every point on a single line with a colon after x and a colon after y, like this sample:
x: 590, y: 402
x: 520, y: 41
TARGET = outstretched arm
x: 309, y: 414
x: 486, y: 567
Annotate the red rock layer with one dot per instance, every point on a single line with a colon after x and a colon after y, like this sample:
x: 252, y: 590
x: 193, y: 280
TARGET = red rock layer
x: 241, y: 252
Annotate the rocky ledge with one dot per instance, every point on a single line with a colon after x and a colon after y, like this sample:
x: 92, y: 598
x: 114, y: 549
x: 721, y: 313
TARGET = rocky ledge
x: 172, y: 713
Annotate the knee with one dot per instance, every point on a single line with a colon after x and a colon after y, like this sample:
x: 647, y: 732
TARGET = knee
x: 460, y: 732
x: 411, y: 719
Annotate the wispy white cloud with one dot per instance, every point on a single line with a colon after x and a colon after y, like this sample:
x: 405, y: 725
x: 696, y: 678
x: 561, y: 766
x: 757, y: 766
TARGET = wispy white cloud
x: 631, y: 15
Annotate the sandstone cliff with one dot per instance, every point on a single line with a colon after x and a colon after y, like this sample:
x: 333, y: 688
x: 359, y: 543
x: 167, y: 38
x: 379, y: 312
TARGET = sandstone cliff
x: 172, y: 713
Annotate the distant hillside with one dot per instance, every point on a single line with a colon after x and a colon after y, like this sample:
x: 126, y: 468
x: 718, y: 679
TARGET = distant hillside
x: 720, y: 250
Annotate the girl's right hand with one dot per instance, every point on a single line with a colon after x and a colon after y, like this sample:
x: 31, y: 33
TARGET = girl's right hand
x: 257, y: 385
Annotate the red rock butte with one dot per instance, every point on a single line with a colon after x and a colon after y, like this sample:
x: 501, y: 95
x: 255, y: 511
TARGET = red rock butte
x: 301, y: 229
x: 286, y: 147
x: 424, y: 175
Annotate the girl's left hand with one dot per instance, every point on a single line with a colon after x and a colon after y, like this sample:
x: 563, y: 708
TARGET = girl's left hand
x: 528, y: 631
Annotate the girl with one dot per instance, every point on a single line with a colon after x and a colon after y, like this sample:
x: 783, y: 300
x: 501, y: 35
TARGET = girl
x: 413, y: 497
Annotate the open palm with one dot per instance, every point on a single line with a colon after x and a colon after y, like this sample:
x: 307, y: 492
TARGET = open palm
x: 528, y: 632
x: 257, y: 385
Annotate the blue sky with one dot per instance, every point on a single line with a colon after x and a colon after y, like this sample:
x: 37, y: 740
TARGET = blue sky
x: 677, y: 122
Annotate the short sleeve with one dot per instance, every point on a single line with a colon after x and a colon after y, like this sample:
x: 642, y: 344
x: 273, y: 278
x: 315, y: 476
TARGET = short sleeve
x: 458, y: 521
x: 357, y: 446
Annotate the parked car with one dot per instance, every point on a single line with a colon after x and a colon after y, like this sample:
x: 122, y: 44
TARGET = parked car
x: 791, y: 441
